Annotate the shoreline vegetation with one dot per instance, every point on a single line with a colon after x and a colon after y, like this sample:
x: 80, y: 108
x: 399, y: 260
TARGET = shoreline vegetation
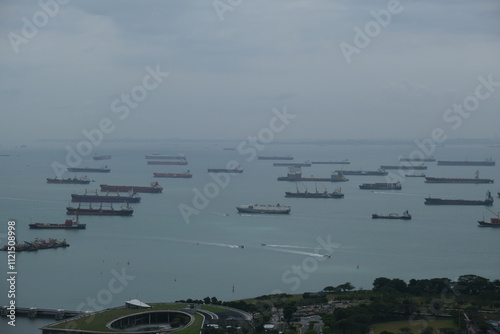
x: 471, y: 304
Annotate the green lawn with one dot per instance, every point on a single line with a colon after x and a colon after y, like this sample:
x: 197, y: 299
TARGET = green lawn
x: 418, y: 325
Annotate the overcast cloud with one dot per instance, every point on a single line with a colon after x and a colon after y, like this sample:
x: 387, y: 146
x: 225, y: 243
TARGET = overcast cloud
x: 226, y: 76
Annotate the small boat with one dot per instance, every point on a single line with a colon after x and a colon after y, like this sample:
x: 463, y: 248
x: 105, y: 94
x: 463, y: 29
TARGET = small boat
x: 184, y: 175
x: 494, y: 222
x: 69, y: 224
x: 82, y: 180
x: 405, y: 216
x: 103, y: 169
x: 264, y: 208
x: 381, y: 186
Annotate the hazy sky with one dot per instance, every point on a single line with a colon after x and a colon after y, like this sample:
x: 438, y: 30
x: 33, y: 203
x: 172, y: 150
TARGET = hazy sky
x: 67, y: 65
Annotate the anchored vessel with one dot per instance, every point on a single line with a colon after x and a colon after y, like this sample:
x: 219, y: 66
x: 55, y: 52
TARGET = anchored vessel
x: 380, y: 172
x: 429, y: 159
x: 131, y: 198
x: 291, y: 164
x: 166, y: 156
x: 69, y: 224
x: 494, y: 222
x: 404, y: 167
x: 226, y: 170
x: 476, y: 179
x: 381, y: 186
x: 100, y: 211
x: 264, y: 208
x: 295, y: 174
x: 36, y: 245
x: 169, y: 162
x: 440, y: 201
x: 415, y: 175
x: 82, y: 180
x: 287, y: 157
x: 343, y: 162
x: 103, y: 169
x: 101, y: 156
x: 405, y: 216
x: 153, y: 188
x: 486, y: 162
x: 337, y: 193
x: 184, y: 175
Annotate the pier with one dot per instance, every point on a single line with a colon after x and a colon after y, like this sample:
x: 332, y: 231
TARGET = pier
x: 33, y: 312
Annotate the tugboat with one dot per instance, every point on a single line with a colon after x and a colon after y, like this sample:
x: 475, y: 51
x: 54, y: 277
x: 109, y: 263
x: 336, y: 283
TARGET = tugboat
x: 100, y: 211
x: 325, y: 194
x: 69, y: 224
x: 494, y: 222
x: 405, y: 216
x: 381, y: 186
x: 82, y: 180
x: 440, y: 201
x: 264, y: 208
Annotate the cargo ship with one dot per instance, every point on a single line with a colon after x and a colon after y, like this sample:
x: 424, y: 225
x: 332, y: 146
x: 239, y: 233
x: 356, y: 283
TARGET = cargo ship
x: 103, y: 169
x: 166, y: 156
x: 82, y: 180
x: 486, y: 162
x: 101, y: 157
x: 264, y: 208
x: 475, y: 180
x: 337, y: 193
x: 404, y: 167
x: 287, y: 157
x: 169, y: 162
x: 153, y: 188
x: 37, y: 245
x: 415, y: 175
x: 343, y: 162
x: 429, y: 159
x: 404, y: 216
x: 494, y: 222
x: 69, y: 224
x: 291, y: 164
x: 184, y: 175
x: 131, y: 198
x: 295, y: 174
x: 440, y: 201
x: 235, y: 170
x: 100, y: 211
x: 381, y: 186
x: 379, y: 172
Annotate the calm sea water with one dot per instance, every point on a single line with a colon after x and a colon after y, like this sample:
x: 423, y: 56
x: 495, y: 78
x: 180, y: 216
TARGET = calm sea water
x: 156, y: 256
